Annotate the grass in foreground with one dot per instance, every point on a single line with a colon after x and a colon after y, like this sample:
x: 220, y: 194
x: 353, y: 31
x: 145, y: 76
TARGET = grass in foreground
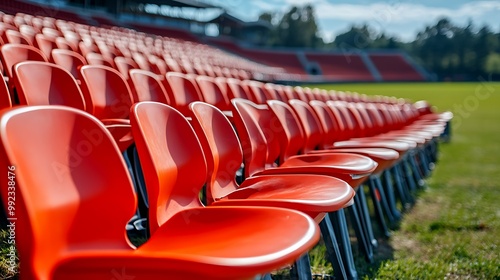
x: 453, y: 230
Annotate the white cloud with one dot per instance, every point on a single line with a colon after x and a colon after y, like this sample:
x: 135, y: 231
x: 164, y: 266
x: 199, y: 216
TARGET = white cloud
x: 399, y: 19
x: 401, y: 12
x: 302, y: 2
x: 264, y: 5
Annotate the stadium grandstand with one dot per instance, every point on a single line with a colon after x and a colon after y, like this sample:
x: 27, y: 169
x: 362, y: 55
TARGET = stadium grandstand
x: 206, y: 27
x: 162, y: 124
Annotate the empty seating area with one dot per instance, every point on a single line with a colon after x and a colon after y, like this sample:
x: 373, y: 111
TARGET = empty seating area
x: 113, y: 135
x: 394, y: 67
x: 287, y: 60
x: 151, y: 52
x: 346, y: 65
x: 341, y: 67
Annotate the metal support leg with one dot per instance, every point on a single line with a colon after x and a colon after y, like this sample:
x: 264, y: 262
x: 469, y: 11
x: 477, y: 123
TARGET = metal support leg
x: 266, y: 277
x: 365, y: 214
x: 332, y: 248
x: 375, y: 184
x: 446, y: 135
x: 409, y: 176
x: 425, y: 165
x: 416, y: 171
x: 140, y: 213
x: 399, y: 185
x: 390, y: 194
x: 342, y: 232
x: 384, y: 200
x: 361, y: 233
x: 406, y: 184
x: 301, y: 269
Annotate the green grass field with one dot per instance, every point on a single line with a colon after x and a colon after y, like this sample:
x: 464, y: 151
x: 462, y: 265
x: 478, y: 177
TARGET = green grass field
x: 453, y: 231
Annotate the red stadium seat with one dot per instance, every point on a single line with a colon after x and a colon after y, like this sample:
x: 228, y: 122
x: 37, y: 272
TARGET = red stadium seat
x: 82, y: 188
x: 5, y: 100
x: 14, y: 53
x: 69, y: 60
x: 42, y: 83
x: 256, y: 90
x: 212, y: 93
x: 181, y: 91
x: 123, y: 65
x: 271, y: 134
x: 222, y: 150
x: 15, y: 37
x: 98, y: 59
x: 147, y: 87
x: 108, y: 97
x: 46, y: 45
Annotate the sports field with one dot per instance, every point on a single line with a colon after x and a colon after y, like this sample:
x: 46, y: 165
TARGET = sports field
x: 453, y: 231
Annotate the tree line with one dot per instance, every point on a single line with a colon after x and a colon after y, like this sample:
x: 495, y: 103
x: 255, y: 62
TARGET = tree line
x: 446, y: 49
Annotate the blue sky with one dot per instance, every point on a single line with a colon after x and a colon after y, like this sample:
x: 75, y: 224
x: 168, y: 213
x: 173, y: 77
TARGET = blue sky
x: 401, y: 18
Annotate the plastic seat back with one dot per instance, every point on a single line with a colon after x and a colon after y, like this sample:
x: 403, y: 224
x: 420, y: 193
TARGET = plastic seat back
x: 375, y: 119
x: 69, y: 60
x: 311, y: 126
x: 332, y: 127
x: 367, y: 125
x: 270, y: 92
x: 86, y: 48
x: 15, y: 37
x: 124, y: 64
x: 304, y: 93
x: 172, y: 65
x: 290, y: 93
x: 98, y: 59
x: 171, y: 157
x: 235, y: 89
x: 3, y: 28
x: 280, y: 91
x: 391, y: 122
x: 68, y: 172
x: 361, y: 130
x: 28, y: 31
x: 106, y: 92
x: 339, y: 110
x: 45, y: 45
x: 182, y: 91
x: 212, y: 93
x: 256, y: 90
x: 396, y: 115
x: 292, y: 138
x: 63, y: 44
x: 147, y: 87
x: 14, y: 53
x: 221, y: 147
x: 259, y: 132
x: 138, y: 61
x: 5, y: 100
x: 42, y: 83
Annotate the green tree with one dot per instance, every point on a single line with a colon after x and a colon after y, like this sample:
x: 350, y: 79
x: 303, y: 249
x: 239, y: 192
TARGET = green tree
x: 295, y: 28
x: 492, y: 65
x: 358, y: 37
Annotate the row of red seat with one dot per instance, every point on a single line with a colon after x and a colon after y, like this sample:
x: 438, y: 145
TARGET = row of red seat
x: 107, y: 96
x: 302, y: 149
x: 24, y: 27
x: 341, y: 66
x: 107, y: 43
